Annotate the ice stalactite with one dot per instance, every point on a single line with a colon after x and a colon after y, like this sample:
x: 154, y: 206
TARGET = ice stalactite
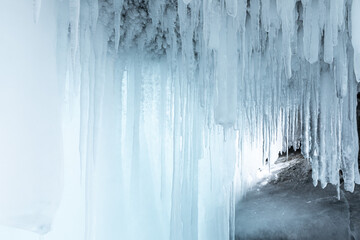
x: 117, y: 21
x: 37, y: 8
x: 74, y: 18
x: 184, y: 104
x: 355, y: 37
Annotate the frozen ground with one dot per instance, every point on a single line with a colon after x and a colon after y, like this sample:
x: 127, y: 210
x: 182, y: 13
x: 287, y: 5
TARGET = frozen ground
x: 286, y: 205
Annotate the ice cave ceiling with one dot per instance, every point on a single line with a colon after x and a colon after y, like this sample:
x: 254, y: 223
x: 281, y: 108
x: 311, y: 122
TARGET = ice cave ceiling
x: 276, y: 58
x: 177, y: 107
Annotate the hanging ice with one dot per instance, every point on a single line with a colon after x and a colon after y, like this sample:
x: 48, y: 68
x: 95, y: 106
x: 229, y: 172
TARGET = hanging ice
x: 355, y: 19
x: 37, y: 7
x: 180, y: 103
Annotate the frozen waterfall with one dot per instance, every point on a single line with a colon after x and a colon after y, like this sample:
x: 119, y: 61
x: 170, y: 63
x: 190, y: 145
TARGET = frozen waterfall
x: 150, y: 119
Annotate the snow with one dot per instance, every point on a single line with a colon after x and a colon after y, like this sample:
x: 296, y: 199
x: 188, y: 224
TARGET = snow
x: 178, y: 107
x: 293, y: 206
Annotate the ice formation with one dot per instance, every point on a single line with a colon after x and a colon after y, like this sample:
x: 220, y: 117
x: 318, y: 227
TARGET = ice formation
x: 181, y: 102
x: 31, y: 154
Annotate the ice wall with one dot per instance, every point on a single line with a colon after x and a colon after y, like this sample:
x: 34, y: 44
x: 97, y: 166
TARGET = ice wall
x: 31, y: 154
x: 184, y: 103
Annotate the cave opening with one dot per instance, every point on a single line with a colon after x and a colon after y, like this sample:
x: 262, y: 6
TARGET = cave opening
x: 286, y: 205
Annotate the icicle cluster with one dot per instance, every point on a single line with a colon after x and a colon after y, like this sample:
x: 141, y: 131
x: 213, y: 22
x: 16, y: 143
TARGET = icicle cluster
x: 182, y: 102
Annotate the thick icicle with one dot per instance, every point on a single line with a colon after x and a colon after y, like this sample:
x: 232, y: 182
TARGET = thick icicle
x: 37, y: 8
x: 191, y: 102
x: 355, y: 36
x: 286, y: 9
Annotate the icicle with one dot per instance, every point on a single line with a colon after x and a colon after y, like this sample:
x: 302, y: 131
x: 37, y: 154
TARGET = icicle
x: 328, y: 38
x: 266, y: 14
x: 94, y: 13
x: 74, y: 15
x: 118, y: 5
x: 37, y: 8
x: 325, y: 102
x: 255, y: 24
x: 285, y: 9
x: 341, y: 68
x: 355, y: 33
x: 231, y: 7
x: 311, y: 30
x: 204, y: 78
x: 226, y: 105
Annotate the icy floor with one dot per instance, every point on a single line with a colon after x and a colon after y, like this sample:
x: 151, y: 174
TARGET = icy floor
x: 286, y: 205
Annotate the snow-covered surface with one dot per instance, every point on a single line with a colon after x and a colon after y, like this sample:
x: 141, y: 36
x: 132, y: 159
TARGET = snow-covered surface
x: 285, y: 205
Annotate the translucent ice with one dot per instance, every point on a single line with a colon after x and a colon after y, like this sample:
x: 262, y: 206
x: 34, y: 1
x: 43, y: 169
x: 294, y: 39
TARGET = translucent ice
x: 30, y: 124
x: 191, y: 101
x: 181, y: 105
x: 355, y: 20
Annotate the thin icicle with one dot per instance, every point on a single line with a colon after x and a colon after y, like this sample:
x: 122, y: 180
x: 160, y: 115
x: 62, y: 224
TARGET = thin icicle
x: 74, y: 18
x: 118, y: 5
